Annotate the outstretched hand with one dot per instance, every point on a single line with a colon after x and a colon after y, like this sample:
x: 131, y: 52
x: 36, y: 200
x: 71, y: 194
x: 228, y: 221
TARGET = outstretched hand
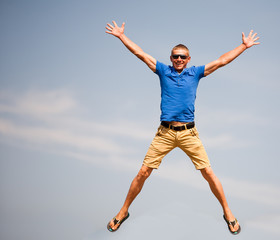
x: 115, y: 30
x: 250, y: 40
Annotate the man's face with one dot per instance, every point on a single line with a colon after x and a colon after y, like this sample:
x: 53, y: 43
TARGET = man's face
x: 180, y: 58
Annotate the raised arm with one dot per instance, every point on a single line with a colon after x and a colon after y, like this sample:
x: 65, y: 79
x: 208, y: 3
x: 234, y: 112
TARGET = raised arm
x: 131, y: 46
x: 225, y: 59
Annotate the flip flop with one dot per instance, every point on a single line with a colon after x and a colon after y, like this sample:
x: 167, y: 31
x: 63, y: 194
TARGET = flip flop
x: 116, y: 221
x: 233, y: 223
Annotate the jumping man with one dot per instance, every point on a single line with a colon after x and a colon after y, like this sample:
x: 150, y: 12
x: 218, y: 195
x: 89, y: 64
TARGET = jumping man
x: 177, y: 129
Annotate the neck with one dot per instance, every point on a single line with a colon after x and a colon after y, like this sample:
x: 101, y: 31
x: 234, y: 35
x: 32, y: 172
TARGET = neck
x: 179, y: 70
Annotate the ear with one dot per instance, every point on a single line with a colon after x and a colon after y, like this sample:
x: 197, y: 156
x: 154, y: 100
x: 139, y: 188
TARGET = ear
x: 189, y: 59
x: 171, y: 58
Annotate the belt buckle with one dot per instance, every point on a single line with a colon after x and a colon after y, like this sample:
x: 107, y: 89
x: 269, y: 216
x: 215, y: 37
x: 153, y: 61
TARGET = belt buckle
x: 178, y: 128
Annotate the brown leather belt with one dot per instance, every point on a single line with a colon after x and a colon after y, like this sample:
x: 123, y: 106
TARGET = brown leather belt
x: 178, y: 128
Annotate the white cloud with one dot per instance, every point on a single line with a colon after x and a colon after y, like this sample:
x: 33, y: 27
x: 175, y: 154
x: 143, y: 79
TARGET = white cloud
x: 223, y: 131
x: 225, y: 141
x: 268, y: 223
x: 38, y: 103
x: 230, y: 117
x: 267, y: 194
x: 58, y: 120
x: 58, y: 125
x: 52, y: 118
x: 54, y: 136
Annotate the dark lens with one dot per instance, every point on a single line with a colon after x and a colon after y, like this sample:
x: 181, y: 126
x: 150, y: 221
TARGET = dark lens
x: 181, y: 56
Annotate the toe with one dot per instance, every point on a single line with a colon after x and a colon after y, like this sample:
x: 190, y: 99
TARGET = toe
x: 235, y: 228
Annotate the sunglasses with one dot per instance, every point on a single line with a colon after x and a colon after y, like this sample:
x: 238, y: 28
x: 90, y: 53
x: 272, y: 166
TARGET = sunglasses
x: 181, y: 56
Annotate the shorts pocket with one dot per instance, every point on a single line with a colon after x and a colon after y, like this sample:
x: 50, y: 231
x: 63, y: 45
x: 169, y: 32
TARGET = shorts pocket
x: 194, y: 132
x: 161, y: 130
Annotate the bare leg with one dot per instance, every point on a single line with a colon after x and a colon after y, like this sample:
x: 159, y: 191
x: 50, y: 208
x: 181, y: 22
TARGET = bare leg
x: 134, y: 190
x: 217, y: 190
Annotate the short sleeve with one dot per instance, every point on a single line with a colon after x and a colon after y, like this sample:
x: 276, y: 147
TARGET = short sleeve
x: 200, y: 71
x: 160, y: 67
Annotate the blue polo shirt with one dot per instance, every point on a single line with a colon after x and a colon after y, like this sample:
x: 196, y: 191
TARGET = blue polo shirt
x: 178, y: 92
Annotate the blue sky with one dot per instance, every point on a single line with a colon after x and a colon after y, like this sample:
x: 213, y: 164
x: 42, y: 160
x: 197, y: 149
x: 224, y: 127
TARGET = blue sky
x: 78, y: 112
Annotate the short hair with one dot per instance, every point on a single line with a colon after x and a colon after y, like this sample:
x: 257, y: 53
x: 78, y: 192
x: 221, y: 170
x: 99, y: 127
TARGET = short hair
x: 180, y: 46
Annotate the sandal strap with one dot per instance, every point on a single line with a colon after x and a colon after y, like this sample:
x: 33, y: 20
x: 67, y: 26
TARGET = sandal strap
x: 233, y: 223
x: 116, y: 221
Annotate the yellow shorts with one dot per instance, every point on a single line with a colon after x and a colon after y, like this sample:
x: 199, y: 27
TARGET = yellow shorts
x: 167, y: 139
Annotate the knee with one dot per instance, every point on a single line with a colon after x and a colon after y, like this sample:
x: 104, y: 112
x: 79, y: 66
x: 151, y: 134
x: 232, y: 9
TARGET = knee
x: 144, y: 172
x: 207, y: 173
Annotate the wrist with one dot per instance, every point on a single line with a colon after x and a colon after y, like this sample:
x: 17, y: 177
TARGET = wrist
x: 244, y: 45
x: 121, y: 36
